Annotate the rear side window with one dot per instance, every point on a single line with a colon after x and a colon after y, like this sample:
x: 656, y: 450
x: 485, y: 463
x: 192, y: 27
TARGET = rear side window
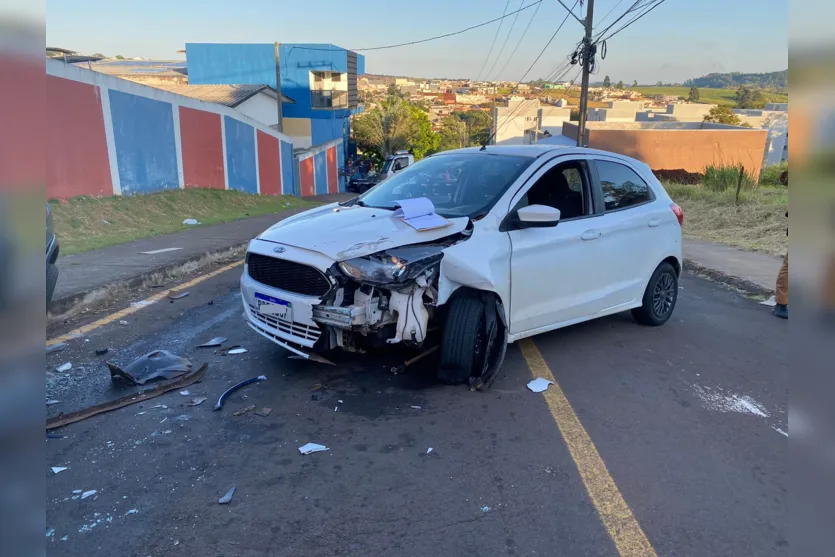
x: 622, y: 187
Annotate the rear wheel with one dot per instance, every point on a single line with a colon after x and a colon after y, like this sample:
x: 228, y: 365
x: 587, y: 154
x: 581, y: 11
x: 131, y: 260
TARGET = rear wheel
x: 659, y: 298
x: 474, y: 342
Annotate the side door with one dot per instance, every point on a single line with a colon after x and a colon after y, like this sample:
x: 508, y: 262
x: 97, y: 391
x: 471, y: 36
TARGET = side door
x: 555, y: 272
x: 627, y: 231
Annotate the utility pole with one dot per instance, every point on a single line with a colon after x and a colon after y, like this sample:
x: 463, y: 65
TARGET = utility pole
x: 588, y: 56
x: 280, y: 125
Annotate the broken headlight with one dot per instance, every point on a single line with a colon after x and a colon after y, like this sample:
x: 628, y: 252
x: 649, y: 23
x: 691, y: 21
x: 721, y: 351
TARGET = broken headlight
x: 396, y: 265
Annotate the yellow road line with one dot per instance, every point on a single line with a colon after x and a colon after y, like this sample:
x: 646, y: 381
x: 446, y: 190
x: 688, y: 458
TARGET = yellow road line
x: 83, y: 330
x: 617, y: 517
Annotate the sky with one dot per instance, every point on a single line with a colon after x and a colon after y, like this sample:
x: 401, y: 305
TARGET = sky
x: 680, y: 39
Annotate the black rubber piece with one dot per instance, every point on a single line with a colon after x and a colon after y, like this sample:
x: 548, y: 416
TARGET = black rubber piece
x: 644, y: 314
x: 464, y: 317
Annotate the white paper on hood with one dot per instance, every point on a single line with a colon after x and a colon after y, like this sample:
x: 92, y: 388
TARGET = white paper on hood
x: 419, y: 213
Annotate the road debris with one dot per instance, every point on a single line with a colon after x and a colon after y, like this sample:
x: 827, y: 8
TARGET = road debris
x: 244, y: 410
x: 163, y: 420
x: 65, y: 538
x: 233, y: 388
x: 263, y: 412
x: 123, y: 322
x: 52, y: 401
x: 197, y: 401
x: 539, y: 384
x: 217, y: 341
x: 429, y: 450
x: 57, y: 469
x: 141, y: 303
x: 185, y: 392
x: 771, y: 302
x: 183, y: 381
x: 64, y: 367
x: 132, y: 511
x: 181, y: 418
x: 312, y: 448
x: 228, y: 497
x: 102, y: 351
x: 335, y: 408
x: 485, y: 509
x: 87, y: 494
x: 176, y: 295
x: 417, y: 407
x: 50, y: 532
x: 153, y: 365
x: 236, y: 351
x: 57, y: 347
x: 191, y: 222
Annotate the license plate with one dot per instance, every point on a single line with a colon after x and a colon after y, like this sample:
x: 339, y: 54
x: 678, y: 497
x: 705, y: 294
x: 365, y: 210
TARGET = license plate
x: 268, y: 305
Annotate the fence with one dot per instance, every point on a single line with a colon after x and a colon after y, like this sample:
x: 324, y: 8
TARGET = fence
x: 110, y: 136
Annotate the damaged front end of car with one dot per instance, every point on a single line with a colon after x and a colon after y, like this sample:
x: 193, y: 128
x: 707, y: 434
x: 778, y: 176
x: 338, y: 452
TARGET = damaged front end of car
x: 388, y: 297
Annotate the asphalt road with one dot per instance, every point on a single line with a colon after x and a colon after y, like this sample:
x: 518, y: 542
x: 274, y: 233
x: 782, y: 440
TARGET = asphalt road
x: 688, y: 419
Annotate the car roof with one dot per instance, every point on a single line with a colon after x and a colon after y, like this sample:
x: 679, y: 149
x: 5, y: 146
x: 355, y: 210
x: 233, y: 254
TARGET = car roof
x: 537, y: 150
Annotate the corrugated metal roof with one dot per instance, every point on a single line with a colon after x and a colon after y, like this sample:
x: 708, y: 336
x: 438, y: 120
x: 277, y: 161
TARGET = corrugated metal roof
x: 229, y: 95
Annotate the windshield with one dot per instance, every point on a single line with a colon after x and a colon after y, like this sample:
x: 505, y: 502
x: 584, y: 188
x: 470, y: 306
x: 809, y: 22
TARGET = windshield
x: 387, y: 166
x: 459, y: 185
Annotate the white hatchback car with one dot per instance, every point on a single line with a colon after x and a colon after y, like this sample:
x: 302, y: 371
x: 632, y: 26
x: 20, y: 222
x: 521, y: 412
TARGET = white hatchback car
x: 533, y: 238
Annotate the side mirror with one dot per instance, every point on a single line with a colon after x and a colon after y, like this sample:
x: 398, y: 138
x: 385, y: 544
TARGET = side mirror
x: 537, y: 216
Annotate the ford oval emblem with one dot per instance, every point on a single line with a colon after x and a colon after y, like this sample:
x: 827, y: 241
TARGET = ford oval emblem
x: 279, y: 249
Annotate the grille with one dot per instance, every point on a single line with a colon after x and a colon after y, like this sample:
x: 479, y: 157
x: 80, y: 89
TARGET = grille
x: 287, y: 275
x: 306, y: 332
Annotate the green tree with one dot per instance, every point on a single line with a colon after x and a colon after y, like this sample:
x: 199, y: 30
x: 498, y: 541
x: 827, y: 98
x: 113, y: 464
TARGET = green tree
x: 635, y: 83
x: 607, y: 81
x: 749, y: 98
x: 693, y: 96
x: 453, y: 134
x: 423, y: 140
x: 386, y: 128
x: 479, y: 126
x: 722, y: 115
x: 659, y: 84
x: 619, y: 85
x: 119, y: 57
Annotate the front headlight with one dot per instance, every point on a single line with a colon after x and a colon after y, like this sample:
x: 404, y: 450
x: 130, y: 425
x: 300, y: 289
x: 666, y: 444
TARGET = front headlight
x: 397, y: 265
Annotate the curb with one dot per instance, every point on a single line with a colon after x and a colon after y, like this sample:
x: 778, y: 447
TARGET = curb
x: 63, y: 308
x: 746, y: 286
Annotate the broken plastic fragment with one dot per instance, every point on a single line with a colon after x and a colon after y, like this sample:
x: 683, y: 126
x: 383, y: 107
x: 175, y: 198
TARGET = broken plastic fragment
x: 185, y: 392
x: 173, y: 295
x: 539, y: 384
x: 123, y: 322
x: 132, y: 511
x: 417, y: 407
x: 64, y: 367
x: 228, y: 497
x: 102, y: 351
x: 153, y: 365
x: 50, y: 532
x: 197, y: 401
x: 227, y: 392
x: 87, y: 494
x: 263, y: 412
x: 237, y: 351
x: 217, y: 341
x: 65, y: 538
x: 56, y: 469
x: 244, y: 410
x: 429, y: 450
x: 52, y: 401
x: 57, y: 347
x: 485, y: 509
x: 312, y: 448
x: 191, y: 221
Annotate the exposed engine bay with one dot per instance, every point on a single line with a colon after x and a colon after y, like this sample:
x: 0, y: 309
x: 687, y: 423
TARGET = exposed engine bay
x: 384, y: 298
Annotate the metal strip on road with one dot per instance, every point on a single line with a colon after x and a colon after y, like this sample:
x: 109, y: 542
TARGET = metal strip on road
x: 83, y: 330
x: 617, y: 517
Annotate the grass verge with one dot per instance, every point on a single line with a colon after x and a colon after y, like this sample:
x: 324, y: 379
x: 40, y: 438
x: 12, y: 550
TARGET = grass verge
x: 86, y: 223
x: 708, y: 95
x: 758, y: 223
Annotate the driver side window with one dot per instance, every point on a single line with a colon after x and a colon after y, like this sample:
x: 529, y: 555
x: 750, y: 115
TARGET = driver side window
x: 564, y: 187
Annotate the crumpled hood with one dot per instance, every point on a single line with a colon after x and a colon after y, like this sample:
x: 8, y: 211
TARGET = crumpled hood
x: 345, y: 232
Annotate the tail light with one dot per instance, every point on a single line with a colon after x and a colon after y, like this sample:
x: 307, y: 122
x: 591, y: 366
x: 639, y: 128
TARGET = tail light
x: 678, y: 212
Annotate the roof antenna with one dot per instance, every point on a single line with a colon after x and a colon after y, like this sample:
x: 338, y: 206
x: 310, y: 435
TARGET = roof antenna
x: 483, y: 146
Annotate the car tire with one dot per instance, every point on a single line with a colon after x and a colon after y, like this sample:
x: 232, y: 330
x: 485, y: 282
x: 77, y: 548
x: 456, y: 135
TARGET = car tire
x: 660, y: 297
x: 51, y: 280
x: 473, y: 343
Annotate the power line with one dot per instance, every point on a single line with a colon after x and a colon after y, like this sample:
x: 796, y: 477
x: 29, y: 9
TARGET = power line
x: 547, y: 44
x: 445, y: 35
x: 602, y: 19
x: 496, y: 36
x: 525, y: 32
x: 635, y: 6
x: 634, y: 19
x: 504, y: 44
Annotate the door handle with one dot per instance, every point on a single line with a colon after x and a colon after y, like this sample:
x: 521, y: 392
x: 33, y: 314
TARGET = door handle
x: 654, y: 222
x: 590, y: 235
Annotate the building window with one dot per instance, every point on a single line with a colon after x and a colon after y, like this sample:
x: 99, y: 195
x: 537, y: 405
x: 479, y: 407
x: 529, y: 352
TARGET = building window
x: 336, y: 77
